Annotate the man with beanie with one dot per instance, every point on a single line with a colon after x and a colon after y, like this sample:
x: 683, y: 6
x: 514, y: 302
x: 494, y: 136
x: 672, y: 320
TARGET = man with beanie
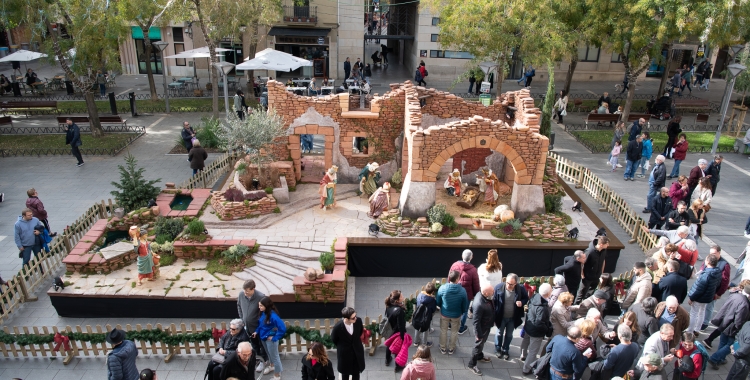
x: 728, y: 321
x: 247, y: 307
x: 484, y: 318
x: 469, y: 280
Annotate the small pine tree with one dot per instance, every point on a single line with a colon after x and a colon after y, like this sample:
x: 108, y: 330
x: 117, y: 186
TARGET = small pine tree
x: 134, y: 190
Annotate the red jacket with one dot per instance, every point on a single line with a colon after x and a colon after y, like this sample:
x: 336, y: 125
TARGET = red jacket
x: 680, y: 150
x: 36, y: 207
x: 687, y: 256
x: 469, y: 277
x: 422, y: 71
x: 697, y: 360
x: 677, y: 194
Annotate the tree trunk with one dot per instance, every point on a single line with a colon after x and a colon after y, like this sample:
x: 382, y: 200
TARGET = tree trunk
x: 549, y: 101
x: 665, y: 76
x: 96, y: 126
x: 500, y: 77
x: 629, y: 101
x: 250, y: 88
x: 149, y: 71
x: 569, y: 75
x: 212, y: 50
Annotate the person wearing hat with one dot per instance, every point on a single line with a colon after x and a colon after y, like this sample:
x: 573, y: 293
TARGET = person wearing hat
x: 596, y: 302
x: 640, y: 288
x: 651, y: 368
x: 121, y: 359
x: 369, y: 178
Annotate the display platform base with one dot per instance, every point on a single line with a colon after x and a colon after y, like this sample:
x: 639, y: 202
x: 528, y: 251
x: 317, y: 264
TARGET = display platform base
x: 82, y: 306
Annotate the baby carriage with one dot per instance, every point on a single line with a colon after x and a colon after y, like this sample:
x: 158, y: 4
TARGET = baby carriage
x: 662, y: 108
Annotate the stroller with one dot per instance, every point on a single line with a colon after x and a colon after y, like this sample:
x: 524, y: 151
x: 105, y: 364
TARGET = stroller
x: 662, y: 108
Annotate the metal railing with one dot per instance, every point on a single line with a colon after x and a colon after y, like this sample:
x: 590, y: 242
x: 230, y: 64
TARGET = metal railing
x: 605, y: 147
x: 300, y: 13
x: 38, y: 152
x: 58, y: 129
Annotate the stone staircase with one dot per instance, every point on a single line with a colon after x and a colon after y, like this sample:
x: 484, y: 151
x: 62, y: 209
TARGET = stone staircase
x: 276, y: 268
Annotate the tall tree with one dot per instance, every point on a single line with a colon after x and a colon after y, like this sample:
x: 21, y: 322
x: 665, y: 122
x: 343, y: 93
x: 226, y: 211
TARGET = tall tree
x: 92, y: 30
x: 220, y: 19
x: 148, y: 13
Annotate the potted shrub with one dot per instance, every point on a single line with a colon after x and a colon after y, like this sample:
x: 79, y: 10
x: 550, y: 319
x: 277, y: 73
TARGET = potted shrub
x: 327, y: 261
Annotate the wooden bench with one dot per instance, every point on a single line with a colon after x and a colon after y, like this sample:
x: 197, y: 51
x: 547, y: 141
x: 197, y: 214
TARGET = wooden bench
x: 603, y: 117
x: 692, y: 104
x: 635, y: 116
x: 6, y: 120
x: 29, y: 106
x: 701, y: 118
x: 116, y: 119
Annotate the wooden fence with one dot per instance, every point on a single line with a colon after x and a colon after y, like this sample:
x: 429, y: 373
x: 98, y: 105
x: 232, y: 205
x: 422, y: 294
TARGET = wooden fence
x: 208, y: 176
x: 610, y: 201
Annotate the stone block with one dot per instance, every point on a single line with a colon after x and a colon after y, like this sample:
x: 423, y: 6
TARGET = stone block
x: 341, y: 244
x: 416, y: 198
x: 527, y: 200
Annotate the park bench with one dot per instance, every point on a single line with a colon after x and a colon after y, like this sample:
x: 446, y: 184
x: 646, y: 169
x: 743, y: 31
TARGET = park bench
x: 6, y: 120
x: 635, y: 116
x: 599, y: 118
x: 116, y: 119
x: 29, y: 106
x: 692, y: 104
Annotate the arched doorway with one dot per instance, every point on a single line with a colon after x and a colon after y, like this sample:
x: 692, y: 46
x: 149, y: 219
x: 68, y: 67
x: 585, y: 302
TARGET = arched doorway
x: 310, y: 167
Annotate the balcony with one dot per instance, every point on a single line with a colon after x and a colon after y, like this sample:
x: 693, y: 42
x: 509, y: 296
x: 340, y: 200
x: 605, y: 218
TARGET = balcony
x: 300, y: 14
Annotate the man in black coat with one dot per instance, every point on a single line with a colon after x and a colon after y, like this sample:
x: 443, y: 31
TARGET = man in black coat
x: 633, y: 156
x: 713, y: 172
x: 350, y: 353
x: 537, y: 325
x: 187, y: 135
x: 505, y: 292
x: 228, y: 344
x: 73, y: 138
x: 655, y: 181
x: 660, y: 208
x: 484, y: 318
x: 571, y: 269
x: 347, y: 69
x: 741, y: 367
x: 728, y: 321
x: 673, y: 284
x: 679, y: 217
x: 240, y: 364
x: 596, y: 254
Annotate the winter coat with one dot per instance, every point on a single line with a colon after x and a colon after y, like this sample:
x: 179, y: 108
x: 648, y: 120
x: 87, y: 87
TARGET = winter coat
x: 647, y: 323
x: 691, y: 364
x: 592, y: 268
x: 635, y: 130
x: 726, y: 271
x: 660, y: 209
x: 247, y: 309
x: 639, y: 290
x: 499, y: 301
x: 648, y: 148
x: 24, y: 232
x: 634, y: 151
x: 660, y: 176
x: 673, y: 129
x: 654, y: 345
x: 566, y: 358
x: 617, y: 136
x: 197, y: 157
x: 538, y: 323
x: 37, y: 207
x: 397, y: 318
x: 676, y: 194
x: 233, y: 368
x: 121, y: 362
x: 673, y: 285
x: 696, y: 174
x: 484, y: 315
x: 187, y: 137
x: 399, y: 348
x: 733, y: 314
x: 704, y: 288
x: 230, y: 342
x: 419, y: 369
x: 486, y: 278
x: 556, y: 291
x: 429, y: 302
x: 560, y: 318
x: 680, y: 322
x: 73, y: 136
x: 469, y: 277
x: 585, y: 305
x: 680, y: 150
x: 743, y: 338
x: 350, y: 352
x: 317, y: 371
x: 271, y: 327
x: 452, y: 300
x: 714, y: 170
x: 678, y: 219
x: 571, y: 269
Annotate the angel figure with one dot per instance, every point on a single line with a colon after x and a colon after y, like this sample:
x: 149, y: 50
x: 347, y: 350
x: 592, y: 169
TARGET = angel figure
x: 453, y: 183
x: 327, y: 190
x: 380, y: 200
x: 368, y: 178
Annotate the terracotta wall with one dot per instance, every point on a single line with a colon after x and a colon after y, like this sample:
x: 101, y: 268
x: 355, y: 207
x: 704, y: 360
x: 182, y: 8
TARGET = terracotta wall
x: 474, y: 158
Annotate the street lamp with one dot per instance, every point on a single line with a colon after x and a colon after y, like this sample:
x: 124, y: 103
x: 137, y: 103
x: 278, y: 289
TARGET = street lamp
x: 224, y: 68
x: 734, y: 69
x: 160, y: 46
x: 736, y: 50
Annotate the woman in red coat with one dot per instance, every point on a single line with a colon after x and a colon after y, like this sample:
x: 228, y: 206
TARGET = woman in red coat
x: 680, y: 151
x: 678, y: 191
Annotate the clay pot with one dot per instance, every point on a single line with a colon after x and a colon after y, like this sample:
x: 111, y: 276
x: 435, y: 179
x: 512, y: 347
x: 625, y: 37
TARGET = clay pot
x: 507, y: 215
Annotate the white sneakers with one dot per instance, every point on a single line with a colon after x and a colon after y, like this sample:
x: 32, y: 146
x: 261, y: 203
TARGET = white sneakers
x: 268, y: 369
x: 259, y: 367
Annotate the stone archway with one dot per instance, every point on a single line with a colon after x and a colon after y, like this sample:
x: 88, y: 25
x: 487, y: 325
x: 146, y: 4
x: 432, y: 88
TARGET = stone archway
x: 310, y: 129
x: 525, y: 149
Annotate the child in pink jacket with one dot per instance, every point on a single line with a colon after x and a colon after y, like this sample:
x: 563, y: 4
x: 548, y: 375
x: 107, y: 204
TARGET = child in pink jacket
x: 421, y: 367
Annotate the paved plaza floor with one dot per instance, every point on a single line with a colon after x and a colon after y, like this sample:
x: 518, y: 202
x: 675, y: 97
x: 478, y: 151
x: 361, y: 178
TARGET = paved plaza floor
x: 68, y: 190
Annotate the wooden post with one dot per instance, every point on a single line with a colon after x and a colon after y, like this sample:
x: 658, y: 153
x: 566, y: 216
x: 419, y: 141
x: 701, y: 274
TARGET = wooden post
x: 66, y: 240
x: 102, y: 210
x: 25, y: 292
x: 636, y: 230
x: 610, y: 196
x: 170, y: 348
x: 579, y: 181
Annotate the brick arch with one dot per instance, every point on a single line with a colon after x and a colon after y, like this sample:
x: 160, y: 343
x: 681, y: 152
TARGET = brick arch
x: 511, y: 155
x: 310, y: 129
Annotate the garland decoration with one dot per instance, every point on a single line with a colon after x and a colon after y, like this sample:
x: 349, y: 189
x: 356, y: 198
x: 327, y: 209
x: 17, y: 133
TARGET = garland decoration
x: 64, y: 338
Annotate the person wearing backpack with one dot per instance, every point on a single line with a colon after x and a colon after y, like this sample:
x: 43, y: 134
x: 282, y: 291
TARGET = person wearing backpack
x: 728, y: 321
x: 690, y: 362
x: 423, y: 73
x: 530, y: 74
x: 423, y: 311
x: 469, y: 280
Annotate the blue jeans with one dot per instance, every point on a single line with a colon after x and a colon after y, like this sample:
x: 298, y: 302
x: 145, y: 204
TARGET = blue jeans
x: 471, y: 87
x: 102, y: 88
x: 272, y: 348
x: 553, y: 376
x: 676, y: 168
x: 721, y: 353
x: 504, y: 334
x: 709, y: 309
x: 629, y: 169
x: 27, y: 254
x: 652, y: 193
x: 641, y: 163
x: 463, y: 320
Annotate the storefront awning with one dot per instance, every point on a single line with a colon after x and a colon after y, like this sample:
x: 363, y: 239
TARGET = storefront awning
x: 299, y: 32
x: 154, y: 33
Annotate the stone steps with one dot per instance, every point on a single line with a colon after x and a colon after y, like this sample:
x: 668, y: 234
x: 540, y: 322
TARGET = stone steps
x: 265, y: 285
x: 279, y: 283
x: 276, y: 268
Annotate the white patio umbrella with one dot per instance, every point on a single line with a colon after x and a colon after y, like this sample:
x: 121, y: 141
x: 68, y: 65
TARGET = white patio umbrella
x: 272, y: 59
x: 201, y: 52
x: 23, y: 56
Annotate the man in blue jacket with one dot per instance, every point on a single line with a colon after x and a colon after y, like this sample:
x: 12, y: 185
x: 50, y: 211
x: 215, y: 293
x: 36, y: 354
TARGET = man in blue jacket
x: 566, y: 361
x: 509, y: 299
x: 25, y: 235
x: 73, y: 138
x: 121, y: 360
x: 453, y: 302
x: 702, y: 292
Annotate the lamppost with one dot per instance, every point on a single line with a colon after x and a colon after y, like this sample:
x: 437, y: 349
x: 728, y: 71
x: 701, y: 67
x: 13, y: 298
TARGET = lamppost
x: 224, y: 68
x: 734, y: 69
x: 160, y: 46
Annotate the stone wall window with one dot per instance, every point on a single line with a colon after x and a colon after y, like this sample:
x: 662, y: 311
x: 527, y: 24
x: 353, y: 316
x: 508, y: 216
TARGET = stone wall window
x: 360, y: 146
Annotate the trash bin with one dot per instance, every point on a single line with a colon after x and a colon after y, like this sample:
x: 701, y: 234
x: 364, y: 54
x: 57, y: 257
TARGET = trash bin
x: 112, y: 103
x: 486, y: 99
x: 69, y: 87
x: 4, y: 51
x: 133, y: 110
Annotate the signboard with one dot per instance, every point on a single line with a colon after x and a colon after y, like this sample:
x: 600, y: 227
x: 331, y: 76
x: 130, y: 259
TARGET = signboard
x: 485, y: 99
x: 485, y: 89
x: 301, y: 40
x: 319, y: 68
x: 321, y: 41
x: 701, y: 50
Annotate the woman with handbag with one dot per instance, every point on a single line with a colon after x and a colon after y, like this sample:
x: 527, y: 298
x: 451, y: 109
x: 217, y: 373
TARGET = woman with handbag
x: 703, y: 192
x: 697, y: 216
x: 561, y: 105
x: 399, y: 341
x: 350, y: 352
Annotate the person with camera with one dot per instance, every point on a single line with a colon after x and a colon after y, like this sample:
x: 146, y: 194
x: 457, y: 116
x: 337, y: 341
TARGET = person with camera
x: 689, y: 361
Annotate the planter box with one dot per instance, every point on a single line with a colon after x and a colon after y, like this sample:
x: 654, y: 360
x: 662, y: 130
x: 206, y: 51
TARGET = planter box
x: 206, y: 250
x: 226, y: 210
